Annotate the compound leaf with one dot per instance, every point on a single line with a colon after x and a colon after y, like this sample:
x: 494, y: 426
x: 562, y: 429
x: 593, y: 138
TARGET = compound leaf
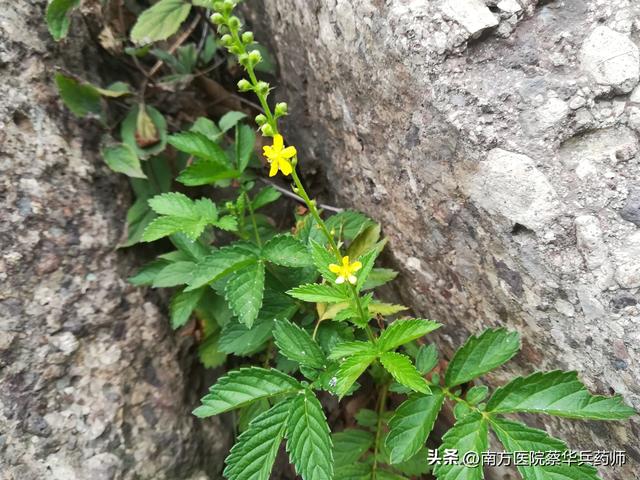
x: 350, y: 370
x: 405, y: 331
x: 404, y: 372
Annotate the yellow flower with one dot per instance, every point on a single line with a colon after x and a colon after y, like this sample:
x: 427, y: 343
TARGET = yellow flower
x: 278, y: 156
x: 346, y: 270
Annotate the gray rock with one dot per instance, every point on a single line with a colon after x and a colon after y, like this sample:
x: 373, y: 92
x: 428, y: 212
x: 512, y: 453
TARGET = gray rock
x: 627, y: 260
x: 612, y: 59
x: 74, y: 336
x: 631, y: 210
x: 509, y: 184
x: 590, y: 241
x: 473, y: 15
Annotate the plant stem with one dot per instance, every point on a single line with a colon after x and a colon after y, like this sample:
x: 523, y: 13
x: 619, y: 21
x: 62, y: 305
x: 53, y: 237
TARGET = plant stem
x: 382, y: 401
x: 253, y: 219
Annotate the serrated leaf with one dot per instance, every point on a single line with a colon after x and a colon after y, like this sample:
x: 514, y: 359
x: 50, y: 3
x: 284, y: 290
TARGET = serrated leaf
x: 174, y: 204
x: 365, y: 241
x: 477, y: 394
x: 367, y: 418
x: 287, y: 251
x: 245, y: 141
x: 123, y: 159
x: 206, y: 127
x: 196, y: 251
x: 468, y: 435
x: 220, y: 263
x: 346, y: 349
x: 350, y: 370
x: 349, y: 445
x: 244, y: 386
x: 205, y: 172
x: 58, y: 17
x: 556, y: 393
x: 481, y: 354
x: 196, y: 144
x: 308, y: 441
x: 368, y: 260
x: 174, y: 274
x: 182, y: 305
x: 80, y: 98
x: 349, y: 223
x: 244, y: 292
x: 264, y: 197
x: 252, y: 457
x: 236, y: 338
x: 427, y: 358
x: 411, y: 425
x: 517, y: 437
x: 160, y: 21
x: 357, y: 471
x: 404, y: 372
x: 296, y: 344
x: 319, y: 293
x: 378, y: 277
x: 404, y: 331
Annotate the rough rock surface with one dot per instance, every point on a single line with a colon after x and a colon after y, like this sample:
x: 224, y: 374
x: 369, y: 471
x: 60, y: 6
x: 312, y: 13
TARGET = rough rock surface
x: 93, y: 384
x: 502, y: 167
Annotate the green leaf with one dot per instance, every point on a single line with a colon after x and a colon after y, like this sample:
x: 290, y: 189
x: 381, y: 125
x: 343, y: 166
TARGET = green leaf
x: 308, y: 440
x: 287, y: 251
x: 367, y: 418
x: 196, y: 144
x: 220, y: 263
x: 123, y: 159
x: 322, y: 258
x: 182, y: 305
x: 427, y: 358
x: 350, y: 370
x: 115, y: 90
x: 378, y: 277
x: 319, y: 293
x: 252, y: 457
x: 160, y: 21
x: 556, y: 393
x: 244, y: 292
x: 229, y: 120
x: 58, y: 17
x: 147, y: 274
x: 174, y: 274
x: 468, y: 435
x: 385, y: 309
x: 149, y: 118
x: 403, y: 371
x: 205, y: 172
x: 364, y: 242
x: 349, y: 445
x: 404, y: 331
x: 411, y: 425
x: 477, y: 394
x: 296, y: 344
x: 244, y: 386
x: 80, y: 98
x: 209, y: 354
x: 236, y: 338
x: 206, y: 127
x: 245, y: 141
x: 481, y: 354
x: 174, y: 204
x: 517, y: 437
x: 357, y: 471
x: 264, y: 197
x: 368, y: 260
x: 346, y: 349
x: 349, y: 223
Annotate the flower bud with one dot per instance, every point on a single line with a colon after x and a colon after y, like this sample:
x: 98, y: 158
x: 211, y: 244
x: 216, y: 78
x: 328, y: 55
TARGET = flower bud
x: 229, y: 4
x: 244, y: 85
x: 262, y: 88
x: 234, y: 22
x: 247, y: 37
x: 218, y: 6
x: 255, y: 57
x: 222, y: 29
x: 261, y: 120
x: 281, y: 109
x: 217, y: 18
x: 267, y: 130
x: 243, y: 59
x: 226, y: 40
x: 236, y: 50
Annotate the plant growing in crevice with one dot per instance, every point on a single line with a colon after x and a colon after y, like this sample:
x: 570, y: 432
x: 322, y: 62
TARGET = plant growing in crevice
x: 300, y: 311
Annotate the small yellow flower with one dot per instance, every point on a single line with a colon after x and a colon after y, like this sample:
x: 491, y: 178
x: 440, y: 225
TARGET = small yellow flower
x: 278, y: 156
x: 346, y: 270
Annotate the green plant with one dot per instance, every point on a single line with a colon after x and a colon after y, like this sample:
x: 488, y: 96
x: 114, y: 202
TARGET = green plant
x: 299, y: 308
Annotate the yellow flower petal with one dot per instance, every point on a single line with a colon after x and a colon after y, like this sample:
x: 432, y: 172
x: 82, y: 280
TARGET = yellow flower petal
x: 340, y: 280
x: 285, y: 166
x: 289, y: 152
x: 355, y: 266
x: 334, y: 268
x: 345, y: 261
x: 274, y: 169
x: 278, y: 142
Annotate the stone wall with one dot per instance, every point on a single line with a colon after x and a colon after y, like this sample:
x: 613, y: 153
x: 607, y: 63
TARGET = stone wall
x: 497, y: 142
x: 93, y: 383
